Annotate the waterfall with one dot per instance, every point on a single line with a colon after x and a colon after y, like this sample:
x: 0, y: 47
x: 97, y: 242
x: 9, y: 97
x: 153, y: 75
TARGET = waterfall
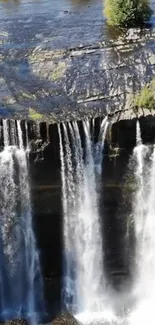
x: 84, y: 281
x: 100, y: 145
x: 139, y: 157
x: 20, y: 276
x: 144, y: 219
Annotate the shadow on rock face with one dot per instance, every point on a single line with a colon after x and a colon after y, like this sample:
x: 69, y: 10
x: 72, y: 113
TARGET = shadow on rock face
x: 15, y: 322
x: 65, y: 319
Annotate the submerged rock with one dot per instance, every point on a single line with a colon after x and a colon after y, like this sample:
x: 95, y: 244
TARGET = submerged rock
x: 65, y: 319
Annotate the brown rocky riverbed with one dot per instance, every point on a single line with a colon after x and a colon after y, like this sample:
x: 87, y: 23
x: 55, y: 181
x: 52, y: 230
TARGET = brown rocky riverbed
x: 15, y: 322
x: 63, y: 319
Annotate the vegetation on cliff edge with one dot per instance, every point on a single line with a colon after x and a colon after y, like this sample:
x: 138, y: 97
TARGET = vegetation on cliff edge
x: 129, y: 13
x: 145, y: 99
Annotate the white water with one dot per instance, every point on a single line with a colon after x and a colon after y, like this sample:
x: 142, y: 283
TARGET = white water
x: 20, y: 277
x: 100, y: 145
x: 139, y: 201
x: 144, y: 219
x: 85, y: 284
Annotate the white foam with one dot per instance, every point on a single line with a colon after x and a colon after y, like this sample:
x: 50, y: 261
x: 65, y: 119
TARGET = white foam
x: 97, y: 318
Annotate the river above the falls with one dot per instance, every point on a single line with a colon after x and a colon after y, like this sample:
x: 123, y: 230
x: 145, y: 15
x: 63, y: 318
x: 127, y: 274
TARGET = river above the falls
x: 61, y: 24
x: 54, y: 25
x: 45, y: 6
x: 60, y: 59
x: 22, y: 7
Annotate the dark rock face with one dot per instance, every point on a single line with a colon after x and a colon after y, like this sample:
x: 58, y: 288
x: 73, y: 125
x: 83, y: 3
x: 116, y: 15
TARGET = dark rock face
x: 46, y: 191
x: 115, y: 200
x: 123, y: 132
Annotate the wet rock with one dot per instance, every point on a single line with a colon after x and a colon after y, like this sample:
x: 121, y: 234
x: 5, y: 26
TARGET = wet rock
x: 70, y: 74
x: 65, y: 319
x: 133, y: 34
x: 5, y: 92
x: 152, y: 59
x: 15, y: 322
x: 10, y: 100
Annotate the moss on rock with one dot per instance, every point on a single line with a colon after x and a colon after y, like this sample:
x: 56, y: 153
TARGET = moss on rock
x: 34, y: 115
x: 59, y: 71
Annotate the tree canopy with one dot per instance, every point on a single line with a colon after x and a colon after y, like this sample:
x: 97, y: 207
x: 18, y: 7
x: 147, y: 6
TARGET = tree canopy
x: 127, y: 13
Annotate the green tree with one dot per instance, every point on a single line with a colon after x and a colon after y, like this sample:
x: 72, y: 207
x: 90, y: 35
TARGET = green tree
x: 127, y: 13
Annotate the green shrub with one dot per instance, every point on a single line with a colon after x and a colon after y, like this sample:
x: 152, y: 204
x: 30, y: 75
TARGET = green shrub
x: 127, y: 13
x: 146, y: 97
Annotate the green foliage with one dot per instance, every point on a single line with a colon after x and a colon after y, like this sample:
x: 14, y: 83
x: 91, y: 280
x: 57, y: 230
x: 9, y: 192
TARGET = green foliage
x: 127, y: 13
x: 33, y: 115
x: 146, y: 97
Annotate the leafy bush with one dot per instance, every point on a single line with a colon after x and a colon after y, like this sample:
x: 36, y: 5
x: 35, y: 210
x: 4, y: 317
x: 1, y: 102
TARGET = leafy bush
x: 127, y: 13
x: 146, y: 97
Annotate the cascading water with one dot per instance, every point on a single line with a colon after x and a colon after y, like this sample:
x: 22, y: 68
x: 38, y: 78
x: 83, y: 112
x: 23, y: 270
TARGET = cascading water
x: 144, y: 219
x: 20, y: 277
x: 139, y: 156
x: 84, y: 284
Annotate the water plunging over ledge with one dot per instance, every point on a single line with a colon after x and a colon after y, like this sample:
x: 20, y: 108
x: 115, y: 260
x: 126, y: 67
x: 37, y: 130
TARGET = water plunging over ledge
x: 144, y: 221
x: 84, y: 292
x: 87, y: 286
x: 21, y: 293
